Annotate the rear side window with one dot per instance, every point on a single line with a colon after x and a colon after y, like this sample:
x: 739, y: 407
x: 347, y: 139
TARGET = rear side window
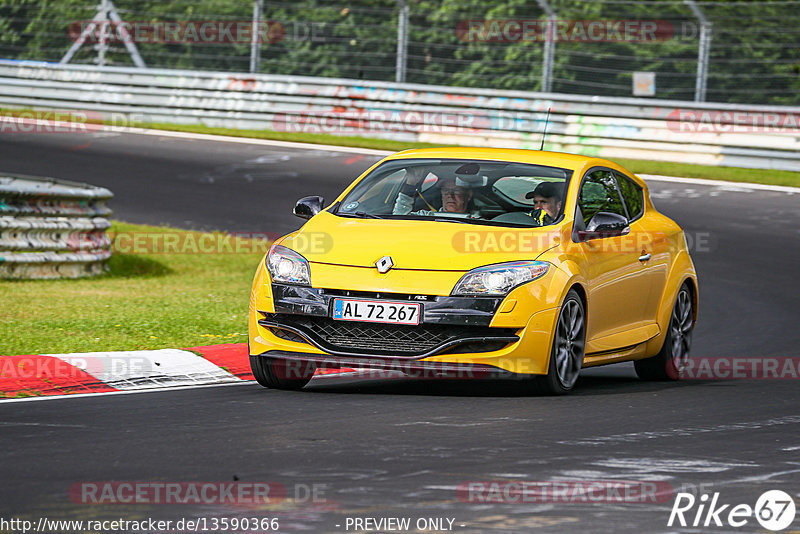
x: 599, y: 193
x: 633, y: 195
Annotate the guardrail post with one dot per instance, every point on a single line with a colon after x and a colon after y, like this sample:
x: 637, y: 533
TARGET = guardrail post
x: 255, y: 45
x: 402, y: 42
x: 702, y: 51
x: 549, y: 46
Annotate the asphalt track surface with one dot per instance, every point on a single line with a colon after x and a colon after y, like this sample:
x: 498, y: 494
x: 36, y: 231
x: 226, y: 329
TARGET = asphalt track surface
x: 401, y: 447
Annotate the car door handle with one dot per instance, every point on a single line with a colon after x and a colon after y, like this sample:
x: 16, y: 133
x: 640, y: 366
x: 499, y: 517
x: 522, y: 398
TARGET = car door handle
x: 645, y: 257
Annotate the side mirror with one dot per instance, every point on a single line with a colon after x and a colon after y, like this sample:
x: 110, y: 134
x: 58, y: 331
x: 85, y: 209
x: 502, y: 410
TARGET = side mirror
x: 604, y: 224
x: 307, y: 207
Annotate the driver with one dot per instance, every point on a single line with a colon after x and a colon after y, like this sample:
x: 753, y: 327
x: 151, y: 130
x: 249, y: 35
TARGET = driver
x: 456, y: 197
x: 546, y: 202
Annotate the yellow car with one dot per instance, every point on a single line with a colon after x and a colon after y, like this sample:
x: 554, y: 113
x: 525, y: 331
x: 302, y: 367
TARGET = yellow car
x: 469, y: 263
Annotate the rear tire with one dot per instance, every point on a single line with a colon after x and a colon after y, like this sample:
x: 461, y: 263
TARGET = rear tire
x: 670, y: 362
x: 276, y: 374
x: 567, y: 352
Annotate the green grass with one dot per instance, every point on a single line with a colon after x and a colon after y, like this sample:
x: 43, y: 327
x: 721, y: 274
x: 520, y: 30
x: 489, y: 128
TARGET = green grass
x: 296, y: 137
x: 729, y: 174
x: 145, y: 301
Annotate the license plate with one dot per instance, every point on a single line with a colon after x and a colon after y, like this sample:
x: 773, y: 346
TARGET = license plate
x: 376, y: 311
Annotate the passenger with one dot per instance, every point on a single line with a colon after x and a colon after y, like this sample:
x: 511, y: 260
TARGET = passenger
x: 546, y: 202
x: 456, y: 197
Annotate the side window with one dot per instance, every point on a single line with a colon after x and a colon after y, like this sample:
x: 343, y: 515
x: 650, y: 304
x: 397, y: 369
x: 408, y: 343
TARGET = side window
x: 633, y: 195
x: 599, y: 193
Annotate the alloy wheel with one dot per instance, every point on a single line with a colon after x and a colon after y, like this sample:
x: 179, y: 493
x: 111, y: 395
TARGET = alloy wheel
x: 570, y: 340
x: 681, y: 330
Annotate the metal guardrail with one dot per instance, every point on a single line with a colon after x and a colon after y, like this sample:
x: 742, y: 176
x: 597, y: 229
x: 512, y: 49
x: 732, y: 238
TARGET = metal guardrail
x: 52, y: 228
x: 703, y: 133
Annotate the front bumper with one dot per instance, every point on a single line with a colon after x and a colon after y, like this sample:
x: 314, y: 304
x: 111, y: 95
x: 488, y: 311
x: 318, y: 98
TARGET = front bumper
x: 528, y: 312
x: 286, y: 320
x: 449, y: 324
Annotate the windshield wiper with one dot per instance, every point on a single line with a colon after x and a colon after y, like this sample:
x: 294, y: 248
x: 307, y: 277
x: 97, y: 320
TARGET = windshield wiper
x: 359, y: 214
x: 365, y: 215
x: 462, y: 220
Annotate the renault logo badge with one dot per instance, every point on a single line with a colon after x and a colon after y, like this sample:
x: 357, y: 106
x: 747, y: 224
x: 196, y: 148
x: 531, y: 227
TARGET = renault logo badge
x: 384, y: 264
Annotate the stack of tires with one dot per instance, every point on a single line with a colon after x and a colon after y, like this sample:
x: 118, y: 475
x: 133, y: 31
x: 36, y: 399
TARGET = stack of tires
x: 52, y: 228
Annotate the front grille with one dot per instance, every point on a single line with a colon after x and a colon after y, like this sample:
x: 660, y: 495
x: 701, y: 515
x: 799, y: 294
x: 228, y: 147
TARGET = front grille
x: 370, y: 337
x: 288, y: 335
x: 385, y: 339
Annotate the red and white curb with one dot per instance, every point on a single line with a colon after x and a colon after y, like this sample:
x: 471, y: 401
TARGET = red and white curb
x: 44, y: 375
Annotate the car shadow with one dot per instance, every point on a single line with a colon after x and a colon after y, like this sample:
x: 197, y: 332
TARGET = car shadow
x: 586, y: 386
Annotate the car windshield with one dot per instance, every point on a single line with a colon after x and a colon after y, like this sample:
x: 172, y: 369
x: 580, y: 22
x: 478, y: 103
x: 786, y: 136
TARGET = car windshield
x: 473, y: 191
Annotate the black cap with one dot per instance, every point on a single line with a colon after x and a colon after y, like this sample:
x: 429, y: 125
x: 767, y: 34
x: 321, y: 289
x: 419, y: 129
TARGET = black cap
x: 546, y: 190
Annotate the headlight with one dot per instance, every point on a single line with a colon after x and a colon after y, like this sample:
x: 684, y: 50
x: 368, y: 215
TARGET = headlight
x: 286, y: 265
x: 500, y: 278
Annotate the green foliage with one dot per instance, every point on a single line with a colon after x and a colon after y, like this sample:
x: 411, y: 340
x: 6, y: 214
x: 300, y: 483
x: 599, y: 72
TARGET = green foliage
x: 753, y: 56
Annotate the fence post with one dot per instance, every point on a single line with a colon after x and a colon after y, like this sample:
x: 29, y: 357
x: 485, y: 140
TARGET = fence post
x: 255, y: 44
x: 102, y: 44
x: 702, y: 51
x: 402, y: 42
x: 549, y: 47
x: 105, y: 10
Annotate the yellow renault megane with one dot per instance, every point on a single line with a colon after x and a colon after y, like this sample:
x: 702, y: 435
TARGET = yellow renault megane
x: 464, y: 262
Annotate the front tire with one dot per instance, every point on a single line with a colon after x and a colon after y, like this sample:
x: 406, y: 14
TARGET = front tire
x: 670, y: 362
x: 569, y: 344
x: 278, y: 374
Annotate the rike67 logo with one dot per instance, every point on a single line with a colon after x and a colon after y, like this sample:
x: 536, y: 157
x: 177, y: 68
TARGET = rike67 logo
x: 774, y: 510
